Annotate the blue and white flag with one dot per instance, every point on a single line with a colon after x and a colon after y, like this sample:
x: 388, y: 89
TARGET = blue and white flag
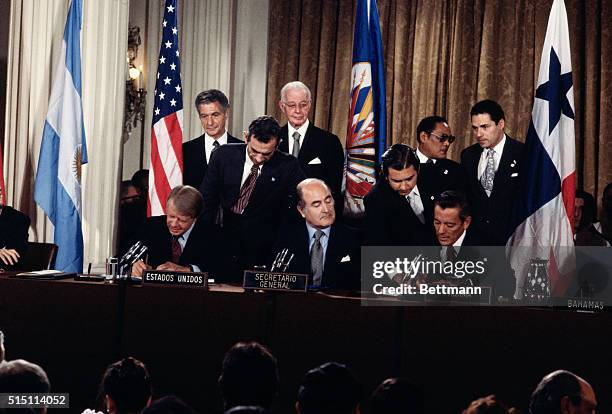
x: 366, y: 136
x: 57, y: 189
x: 544, y: 212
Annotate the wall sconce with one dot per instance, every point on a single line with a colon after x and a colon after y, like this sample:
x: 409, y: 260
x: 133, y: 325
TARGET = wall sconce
x: 135, y: 94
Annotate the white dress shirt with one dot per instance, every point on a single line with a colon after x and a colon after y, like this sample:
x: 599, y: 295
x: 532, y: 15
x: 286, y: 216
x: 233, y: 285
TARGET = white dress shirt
x: 415, y: 201
x: 302, y: 131
x: 208, y: 144
x: 423, y: 158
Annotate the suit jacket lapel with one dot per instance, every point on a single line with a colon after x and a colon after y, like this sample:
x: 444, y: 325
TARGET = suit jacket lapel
x: 307, y: 145
x: 234, y: 175
x: 283, y: 145
x: 503, y: 170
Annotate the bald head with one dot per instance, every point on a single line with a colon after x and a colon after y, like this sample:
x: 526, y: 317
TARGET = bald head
x: 316, y: 203
x: 563, y: 392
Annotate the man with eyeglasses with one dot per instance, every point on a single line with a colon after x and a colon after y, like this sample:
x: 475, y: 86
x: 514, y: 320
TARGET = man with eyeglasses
x: 436, y: 173
x: 492, y: 168
x: 320, y: 152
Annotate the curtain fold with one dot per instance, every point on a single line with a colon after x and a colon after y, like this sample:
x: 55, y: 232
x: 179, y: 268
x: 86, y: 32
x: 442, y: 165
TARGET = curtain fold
x: 34, y: 45
x: 441, y: 56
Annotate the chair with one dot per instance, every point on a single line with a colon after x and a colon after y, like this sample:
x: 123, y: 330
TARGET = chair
x: 39, y: 256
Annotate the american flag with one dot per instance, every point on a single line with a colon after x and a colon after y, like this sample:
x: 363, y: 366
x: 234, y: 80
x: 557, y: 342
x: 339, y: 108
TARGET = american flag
x: 166, y: 170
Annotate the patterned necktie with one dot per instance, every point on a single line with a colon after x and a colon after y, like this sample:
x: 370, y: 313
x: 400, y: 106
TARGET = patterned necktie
x: 417, y: 207
x: 246, y: 190
x: 296, y: 144
x: 486, y: 179
x: 177, y: 250
x: 451, y: 254
x: 316, y: 259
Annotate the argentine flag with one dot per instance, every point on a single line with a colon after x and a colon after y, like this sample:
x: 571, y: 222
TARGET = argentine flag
x: 544, y: 213
x: 57, y: 189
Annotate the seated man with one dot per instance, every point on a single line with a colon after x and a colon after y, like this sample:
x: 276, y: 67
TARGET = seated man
x: 562, y: 392
x: 329, y: 389
x: 452, y: 223
x: 20, y: 376
x: 179, y: 241
x: 326, y: 250
x: 395, y: 213
x: 13, y: 236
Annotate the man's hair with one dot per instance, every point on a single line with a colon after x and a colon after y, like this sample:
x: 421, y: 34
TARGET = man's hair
x: 546, y: 398
x: 294, y: 85
x: 329, y: 389
x: 397, y: 396
x: 186, y: 200
x: 20, y: 376
x: 488, y: 405
x: 399, y: 157
x: 140, y: 180
x: 490, y: 107
x: 249, y: 376
x: 300, y: 189
x: 128, y: 384
x: 428, y: 125
x: 454, y: 199
x: 168, y: 405
x: 247, y: 409
x: 210, y: 96
x: 265, y: 128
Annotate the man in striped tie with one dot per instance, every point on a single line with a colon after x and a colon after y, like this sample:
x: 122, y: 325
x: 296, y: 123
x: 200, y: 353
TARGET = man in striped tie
x: 255, y: 186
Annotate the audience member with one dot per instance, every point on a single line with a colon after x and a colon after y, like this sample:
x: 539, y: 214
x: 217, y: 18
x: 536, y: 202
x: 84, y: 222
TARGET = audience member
x: 20, y: 376
x: 168, y: 405
x: 489, y: 405
x: 249, y: 376
x: 126, y: 387
x: 397, y: 396
x: 563, y: 392
x: 329, y: 389
x: 247, y: 409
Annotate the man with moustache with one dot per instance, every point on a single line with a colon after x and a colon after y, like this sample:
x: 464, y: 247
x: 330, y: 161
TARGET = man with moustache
x: 213, y: 109
x: 326, y: 250
x: 492, y: 168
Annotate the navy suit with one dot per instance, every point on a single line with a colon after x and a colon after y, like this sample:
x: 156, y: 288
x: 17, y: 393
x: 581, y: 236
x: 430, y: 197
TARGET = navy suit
x: 491, y: 215
x: 13, y: 231
x: 194, y: 160
x: 390, y: 221
x: 342, y: 258
x: 318, y: 143
x: 250, y: 235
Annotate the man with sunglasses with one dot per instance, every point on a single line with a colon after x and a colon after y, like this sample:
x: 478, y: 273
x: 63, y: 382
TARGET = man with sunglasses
x: 436, y: 173
x: 492, y: 167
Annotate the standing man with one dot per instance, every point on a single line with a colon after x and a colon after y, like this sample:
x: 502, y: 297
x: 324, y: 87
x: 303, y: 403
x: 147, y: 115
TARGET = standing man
x: 320, y: 152
x: 213, y: 109
x: 326, y: 250
x: 436, y: 173
x: 492, y: 167
x: 255, y: 186
x: 394, y: 210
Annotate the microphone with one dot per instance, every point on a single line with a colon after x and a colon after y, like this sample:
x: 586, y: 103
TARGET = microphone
x: 135, y: 253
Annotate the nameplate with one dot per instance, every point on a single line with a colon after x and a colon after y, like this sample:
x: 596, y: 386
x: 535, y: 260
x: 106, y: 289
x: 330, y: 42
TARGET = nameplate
x: 167, y: 278
x: 290, y: 282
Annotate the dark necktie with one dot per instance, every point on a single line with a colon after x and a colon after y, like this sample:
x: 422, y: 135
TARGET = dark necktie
x: 316, y: 259
x: 215, y: 146
x: 246, y: 190
x: 429, y: 161
x: 177, y: 250
x: 451, y: 254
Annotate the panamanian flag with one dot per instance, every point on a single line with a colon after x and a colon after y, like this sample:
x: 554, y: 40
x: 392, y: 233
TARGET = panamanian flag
x: 544, y: 212
x: 367, y: 120
x: 57, y: 188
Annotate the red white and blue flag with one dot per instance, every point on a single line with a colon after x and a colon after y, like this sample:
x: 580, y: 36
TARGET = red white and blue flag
x: 367, y: 120
x: 166, y: 171
x: 545, y: 208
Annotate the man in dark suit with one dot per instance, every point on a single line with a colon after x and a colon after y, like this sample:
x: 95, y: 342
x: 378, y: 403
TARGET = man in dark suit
x: 13, y: 236
x: 394, y: 209
x: 213, y: 109
x: 492, y: 168
x: 460, y: 241
x: 436, y: 173
x: 326, y: 250
x: 179, y: 241
x: 320, y: 152
x: 255, y: 186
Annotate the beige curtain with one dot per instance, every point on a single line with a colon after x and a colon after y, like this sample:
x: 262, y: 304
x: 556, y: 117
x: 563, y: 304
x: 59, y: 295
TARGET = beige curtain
x: 36, y: 36
x: 441, y: 56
